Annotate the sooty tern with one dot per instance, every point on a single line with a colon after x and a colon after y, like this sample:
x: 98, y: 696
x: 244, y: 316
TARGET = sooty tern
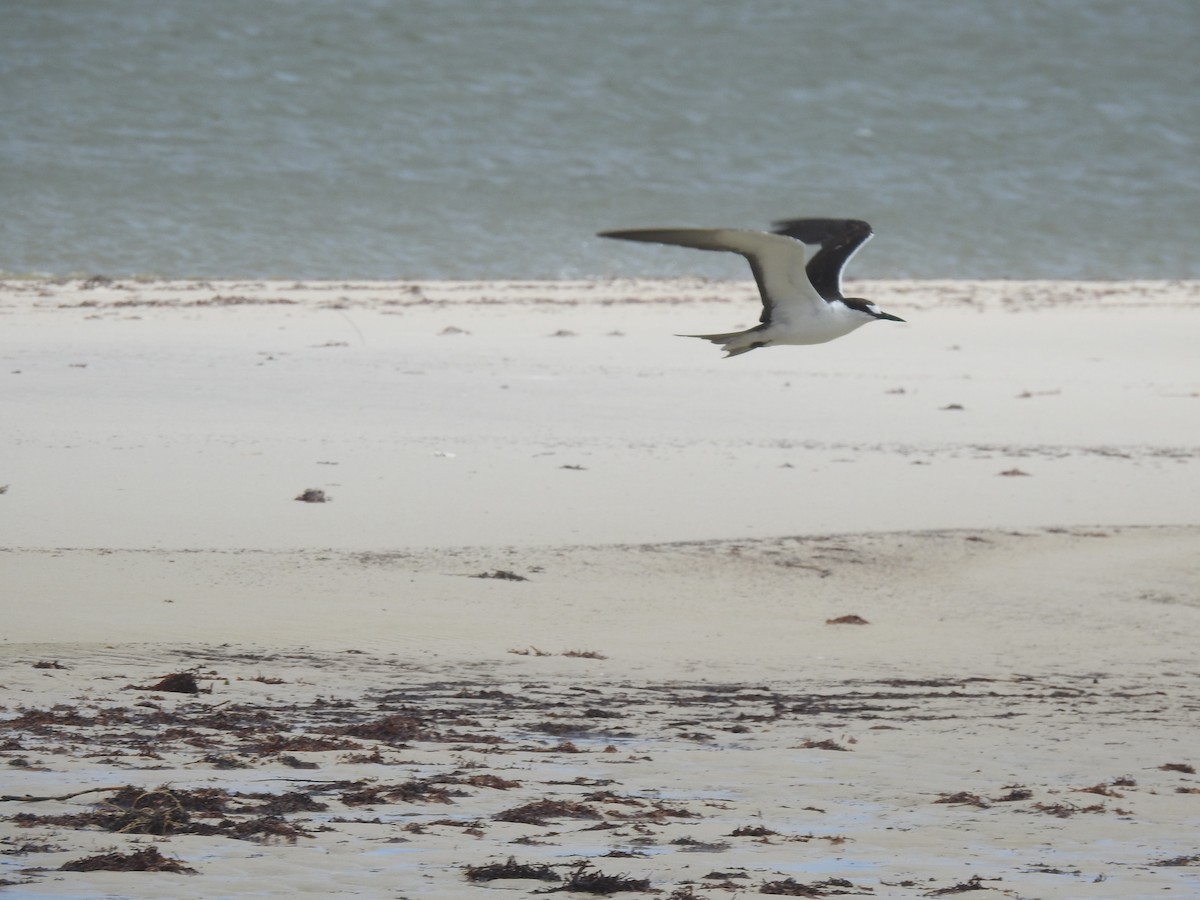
x: 801, y: 304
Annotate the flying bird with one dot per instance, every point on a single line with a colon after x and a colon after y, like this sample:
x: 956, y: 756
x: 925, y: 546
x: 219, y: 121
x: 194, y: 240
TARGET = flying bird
x: 801, y: 305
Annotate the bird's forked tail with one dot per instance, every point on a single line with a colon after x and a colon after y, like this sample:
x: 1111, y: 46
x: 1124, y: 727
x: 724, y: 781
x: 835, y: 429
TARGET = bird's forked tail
x: 733, y: 342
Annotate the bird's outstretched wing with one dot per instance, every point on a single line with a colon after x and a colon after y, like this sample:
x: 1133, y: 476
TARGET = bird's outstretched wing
x: 839, y: 239
x: 777, y: 261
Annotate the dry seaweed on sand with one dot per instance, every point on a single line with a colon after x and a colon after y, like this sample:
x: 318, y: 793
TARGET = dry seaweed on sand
x: 501, y: 575
x: 295, y: 762
x: 511, y: 869
x: 540, y: 812
x: 414, y: 791
x: 963, y: 798
x: 1015, y: 793
x: 1066, y: 810
x: 534, y: 651
x: 393, y: 728
x: 133, y: 810
x: 1180, y: 861
x: 790, y: 887
x: 301, y: 743
x: 147, y: 859
x: 586, y: 880
x: 166, y: 811
x: 289, y: 802
x: 175, y: 683
x: 264, y: 828
x: 561, y: 728
x: 974, y: 883
x: 847, y: 620
x: 1185, y: 768
x: 691, y: 845
x: 826, y: 744
x: 753, y: 832
x: 161, y: 812
x: 313, y: 495
x: 1104, y: 790
x: 482, y: 780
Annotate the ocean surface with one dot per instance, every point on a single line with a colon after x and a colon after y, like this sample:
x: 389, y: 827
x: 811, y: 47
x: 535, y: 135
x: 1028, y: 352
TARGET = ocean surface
x: 493, y: 138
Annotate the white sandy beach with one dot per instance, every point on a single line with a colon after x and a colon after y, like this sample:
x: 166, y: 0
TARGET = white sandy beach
x: 1006, y: 489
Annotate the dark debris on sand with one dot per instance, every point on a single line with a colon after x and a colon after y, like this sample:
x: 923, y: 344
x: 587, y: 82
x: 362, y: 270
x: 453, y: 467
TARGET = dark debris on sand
x: 584, y: 879
x: 541, y: 812
x: 508, y: 757
x: 974, y: 883
x: 511, y: 869
x: 176, y: 683
x: 166, y: 811
x: 830, y: 887
x: 148, y: 859
x: 501, y: 575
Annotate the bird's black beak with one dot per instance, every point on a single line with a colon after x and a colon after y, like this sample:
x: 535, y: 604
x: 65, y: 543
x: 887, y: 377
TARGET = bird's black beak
x: 890, y: 317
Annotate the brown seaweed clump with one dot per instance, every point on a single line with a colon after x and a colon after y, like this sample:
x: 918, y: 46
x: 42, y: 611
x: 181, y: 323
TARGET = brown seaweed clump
x: 165, y: 811
x: 974, y: 883
x: 586, y: 880
x: 501, y: 575
x: 790, y: 887
x: 511, y: 869
x: 178, y: 683
x: 752, y: 831
x: 540, y: 812
x: 147, y: 859
x: 1179, y: 861
x: 964, y: 798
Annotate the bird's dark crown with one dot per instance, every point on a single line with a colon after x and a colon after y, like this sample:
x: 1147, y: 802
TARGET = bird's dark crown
x: 866, y: 306
x: 861, y: 304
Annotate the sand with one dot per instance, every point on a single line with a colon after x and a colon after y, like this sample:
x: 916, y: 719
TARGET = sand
x: 1001, y: 496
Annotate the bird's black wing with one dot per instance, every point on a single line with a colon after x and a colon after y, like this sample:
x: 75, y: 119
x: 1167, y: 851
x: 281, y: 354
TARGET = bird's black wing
x: 839, y: 240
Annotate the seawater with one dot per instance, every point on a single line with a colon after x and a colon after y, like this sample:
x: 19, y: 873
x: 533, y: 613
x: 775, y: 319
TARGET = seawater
x: 493, y: 138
